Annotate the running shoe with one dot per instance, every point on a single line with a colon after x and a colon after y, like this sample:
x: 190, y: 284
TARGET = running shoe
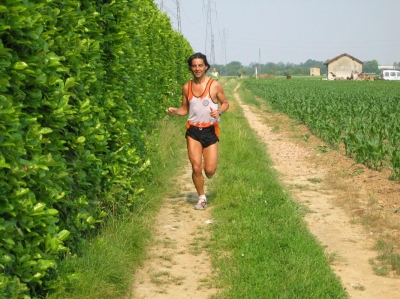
x: 201, y: 204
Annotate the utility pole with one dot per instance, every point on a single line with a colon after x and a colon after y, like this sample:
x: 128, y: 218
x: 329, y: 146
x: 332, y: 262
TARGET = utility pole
x: 209, y: 46
x: 209, y: 33
x: 176, y: 15
x: 259, y: 60
x: 212, y: 53
x: 224, y: 70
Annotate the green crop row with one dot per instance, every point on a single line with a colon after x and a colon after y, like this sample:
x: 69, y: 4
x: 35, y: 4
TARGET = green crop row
x: 81, y: 82
x: 361, y: 115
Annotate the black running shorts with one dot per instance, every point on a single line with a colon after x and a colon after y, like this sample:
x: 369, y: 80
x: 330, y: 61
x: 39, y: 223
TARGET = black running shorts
x: 206, y: 136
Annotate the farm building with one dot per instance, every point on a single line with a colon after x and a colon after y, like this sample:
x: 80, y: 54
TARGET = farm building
x: 342, y: 66
x: 315, y: 71
x: 386, y: 67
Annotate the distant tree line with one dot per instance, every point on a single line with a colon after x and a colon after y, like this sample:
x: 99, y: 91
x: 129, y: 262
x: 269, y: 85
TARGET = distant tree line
x: 235, y: 68
x: 371, y: 67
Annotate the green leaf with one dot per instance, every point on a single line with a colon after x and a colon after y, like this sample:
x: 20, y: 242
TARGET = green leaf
x: 70, y: 82
x: 9, y: 241
x: 54, y: 80
x: 20, y: 65
x: 45, y: 131
x: 44, y: 264
x: 4, y: 82
x: 90, y: 220
x: 4, y: 165
x: 5, y: 258
x: 41, y: 79
x: 39, y: 207
x: 80, y: 139
x: 51, y: 212
x: 139, y: 191
x: 4, y: 63
x: 21, y: 191
x: 54, y: 244
x: 62, y: 235
x: 24, y: 258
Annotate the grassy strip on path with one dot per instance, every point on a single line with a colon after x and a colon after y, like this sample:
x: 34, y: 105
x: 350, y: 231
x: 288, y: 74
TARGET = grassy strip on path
x: 261, y: 245
x: 105, y: 266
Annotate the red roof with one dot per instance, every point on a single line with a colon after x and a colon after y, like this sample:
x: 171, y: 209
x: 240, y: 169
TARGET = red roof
x: 340, y: 56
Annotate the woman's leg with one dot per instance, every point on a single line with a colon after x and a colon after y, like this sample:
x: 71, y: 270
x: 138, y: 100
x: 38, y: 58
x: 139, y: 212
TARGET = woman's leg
x: 210, y: 154
x: 195, y: 152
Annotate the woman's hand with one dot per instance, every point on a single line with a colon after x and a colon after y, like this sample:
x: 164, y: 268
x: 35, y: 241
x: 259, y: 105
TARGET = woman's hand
x: 214, y: 113
x: 172, y: 111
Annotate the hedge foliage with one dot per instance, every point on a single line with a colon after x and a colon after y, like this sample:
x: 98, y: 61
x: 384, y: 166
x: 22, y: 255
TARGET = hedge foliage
x: 80, y: 84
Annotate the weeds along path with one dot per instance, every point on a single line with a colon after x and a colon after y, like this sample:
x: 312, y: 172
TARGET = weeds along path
x: 348, y: 246
x: 177, y: 266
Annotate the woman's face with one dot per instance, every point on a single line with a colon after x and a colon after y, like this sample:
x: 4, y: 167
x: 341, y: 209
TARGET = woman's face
x: 198, y: 67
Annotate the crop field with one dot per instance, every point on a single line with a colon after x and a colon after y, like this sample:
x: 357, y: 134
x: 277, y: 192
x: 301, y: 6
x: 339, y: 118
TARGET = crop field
x: 362, y: 116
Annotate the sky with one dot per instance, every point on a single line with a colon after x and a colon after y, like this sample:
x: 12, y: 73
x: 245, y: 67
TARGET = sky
x: 289, y: 31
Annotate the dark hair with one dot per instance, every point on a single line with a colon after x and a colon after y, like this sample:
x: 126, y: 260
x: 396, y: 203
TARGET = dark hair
x: 198, y: 55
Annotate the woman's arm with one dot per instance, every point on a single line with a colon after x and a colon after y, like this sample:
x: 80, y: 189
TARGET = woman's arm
x: 184, y: 109
x: 221, y: 97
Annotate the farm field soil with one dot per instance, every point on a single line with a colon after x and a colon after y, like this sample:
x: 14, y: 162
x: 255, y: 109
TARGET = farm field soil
x: 337, y: 194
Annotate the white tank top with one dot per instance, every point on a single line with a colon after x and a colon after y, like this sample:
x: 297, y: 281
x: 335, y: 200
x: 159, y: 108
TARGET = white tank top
x: 199, y: 107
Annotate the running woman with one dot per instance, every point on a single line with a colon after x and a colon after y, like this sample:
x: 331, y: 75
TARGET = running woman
x: 215, y: 74
x: 200, y: 98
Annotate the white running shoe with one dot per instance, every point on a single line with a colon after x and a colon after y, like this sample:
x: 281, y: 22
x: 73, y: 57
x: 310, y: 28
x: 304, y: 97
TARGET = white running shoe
x: 201, y: 204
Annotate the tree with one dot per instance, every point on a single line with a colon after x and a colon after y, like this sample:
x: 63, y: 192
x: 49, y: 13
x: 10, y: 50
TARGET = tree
x: 233, y: 68
x: 242, y: 71
x: 370, y: 67
x: 276, y: 69
x: 219, y: 67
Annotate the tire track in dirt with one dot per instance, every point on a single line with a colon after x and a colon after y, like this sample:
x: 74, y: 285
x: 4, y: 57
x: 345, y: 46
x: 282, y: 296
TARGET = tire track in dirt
x: 177, y: 263
x: 348, y: 244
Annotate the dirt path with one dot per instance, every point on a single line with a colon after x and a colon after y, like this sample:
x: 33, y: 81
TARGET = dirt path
x: 302, y: 169
x: 178, y: 265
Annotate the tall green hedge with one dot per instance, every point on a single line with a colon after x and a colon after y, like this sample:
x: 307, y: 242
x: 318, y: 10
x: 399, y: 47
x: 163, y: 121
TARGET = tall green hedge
x: 80, y: 84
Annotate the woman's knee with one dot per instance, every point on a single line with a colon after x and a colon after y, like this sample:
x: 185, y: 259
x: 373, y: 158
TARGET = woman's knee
x: 210, y: 171
x: 197, y: 169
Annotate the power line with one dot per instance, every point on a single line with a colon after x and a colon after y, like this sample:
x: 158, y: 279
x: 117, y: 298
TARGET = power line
x: 176, y: 14
x: 188, y: 19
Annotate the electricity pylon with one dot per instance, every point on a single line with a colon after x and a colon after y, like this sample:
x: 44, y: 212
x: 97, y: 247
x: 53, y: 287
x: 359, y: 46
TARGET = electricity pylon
x: 176, y: 15
x: 224, y: 70
x: 209, y: 46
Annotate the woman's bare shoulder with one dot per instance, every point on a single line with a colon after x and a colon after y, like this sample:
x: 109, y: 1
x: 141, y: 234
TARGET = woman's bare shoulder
x: 216, y: 85
x: 185, y: 88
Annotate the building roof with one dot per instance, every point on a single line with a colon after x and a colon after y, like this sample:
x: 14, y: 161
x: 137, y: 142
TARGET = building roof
x: 340, y: 56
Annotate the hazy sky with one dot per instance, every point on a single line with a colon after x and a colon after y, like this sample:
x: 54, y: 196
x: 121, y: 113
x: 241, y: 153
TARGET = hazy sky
x: 292, y: 30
